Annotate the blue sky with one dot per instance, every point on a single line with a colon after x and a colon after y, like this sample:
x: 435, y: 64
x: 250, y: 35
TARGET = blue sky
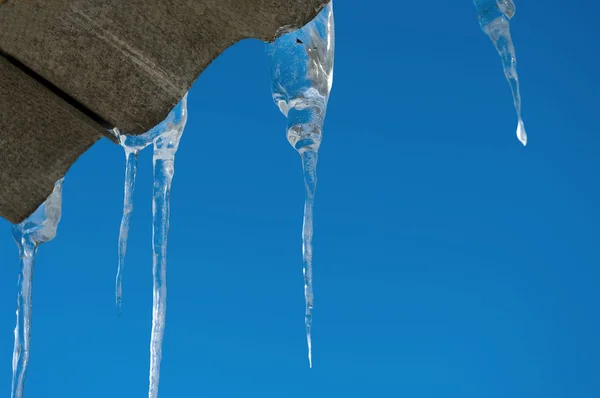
x: 449, y: 260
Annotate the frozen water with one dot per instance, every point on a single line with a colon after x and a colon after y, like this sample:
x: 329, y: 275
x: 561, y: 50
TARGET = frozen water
x: 165, y: 138
x: 166, y: 141
x: 309, y: 166
x: 301, y: 64
x: 494, y: 18
x: 132, y: 146
x: 131, y: 159
x: 302, y: 75
x: 38, y: 228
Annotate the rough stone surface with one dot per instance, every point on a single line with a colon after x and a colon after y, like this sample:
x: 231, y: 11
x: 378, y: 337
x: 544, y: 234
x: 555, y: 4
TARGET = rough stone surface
x: 113, y: 63
x: 132, y: 61
x: 41, y: 136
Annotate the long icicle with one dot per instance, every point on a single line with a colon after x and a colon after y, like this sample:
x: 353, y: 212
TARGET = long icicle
x: 302, y: 76
x: 309, y: 167
x: 132, y: 146
x: 38, y: 228
x: 131, y: 160
x: 22, y: 330
x: 494, y: 18
x: 165, y: 148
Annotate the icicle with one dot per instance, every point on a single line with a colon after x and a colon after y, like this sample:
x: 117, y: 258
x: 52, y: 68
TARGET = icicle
x: 309, y: 166
x: 166, y: 142
x: 165, y: 137
x: 494, y: 18
x: 39, y: 228
x: 132, y: 146
x: 302, y: 76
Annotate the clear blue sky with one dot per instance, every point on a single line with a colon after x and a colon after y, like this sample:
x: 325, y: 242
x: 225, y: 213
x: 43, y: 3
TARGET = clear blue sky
x: 449, y: 260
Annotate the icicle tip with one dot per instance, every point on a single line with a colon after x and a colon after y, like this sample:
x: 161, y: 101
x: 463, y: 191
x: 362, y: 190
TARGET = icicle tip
x: 521, y: 134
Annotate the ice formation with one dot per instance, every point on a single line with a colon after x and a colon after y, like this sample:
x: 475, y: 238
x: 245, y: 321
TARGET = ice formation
x: 38, y: 228
x: 301, y: 64
x: 165, y: 138
x: 165, y: 147
x: 494, y: 17
x: 132, y: 146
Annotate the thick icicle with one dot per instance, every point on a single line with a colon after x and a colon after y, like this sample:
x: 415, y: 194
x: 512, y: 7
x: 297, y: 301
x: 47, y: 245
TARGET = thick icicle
x: 132, y: 146
x: 166, y: 142
x: 39, y: 228
x: 494, y: 18
x: 302, y: 76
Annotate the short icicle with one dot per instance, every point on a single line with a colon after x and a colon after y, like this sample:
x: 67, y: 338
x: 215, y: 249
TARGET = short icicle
x: 494, y: 17
x: 302, y: 75
x: 38, y: 228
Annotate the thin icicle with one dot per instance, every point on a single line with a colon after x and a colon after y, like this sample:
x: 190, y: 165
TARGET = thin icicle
x: 165, y: 137
x: 494, y: 18
x: 132, y: 146
x: 38, y: 228
x: 166, y: 142
x: 302, y: 76
x: 131, y: 158
x: 309, y: 166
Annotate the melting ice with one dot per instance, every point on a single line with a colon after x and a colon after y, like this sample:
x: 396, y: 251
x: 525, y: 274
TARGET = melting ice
x: 302, y: 75
x: 165, y: 138
x: 494, y: 18
x: 38, y: 228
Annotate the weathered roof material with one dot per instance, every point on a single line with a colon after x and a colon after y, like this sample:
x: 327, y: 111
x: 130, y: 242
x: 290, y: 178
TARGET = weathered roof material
x: 79, y: 66
x: 40, y: 137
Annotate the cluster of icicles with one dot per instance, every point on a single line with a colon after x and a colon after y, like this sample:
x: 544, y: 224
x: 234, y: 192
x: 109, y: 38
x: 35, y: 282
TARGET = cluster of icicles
x: 301, y: 64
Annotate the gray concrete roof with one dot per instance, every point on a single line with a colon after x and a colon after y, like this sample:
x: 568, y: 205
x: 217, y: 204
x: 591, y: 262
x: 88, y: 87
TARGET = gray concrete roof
x: 40, y: 137
x: 69, y: 69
